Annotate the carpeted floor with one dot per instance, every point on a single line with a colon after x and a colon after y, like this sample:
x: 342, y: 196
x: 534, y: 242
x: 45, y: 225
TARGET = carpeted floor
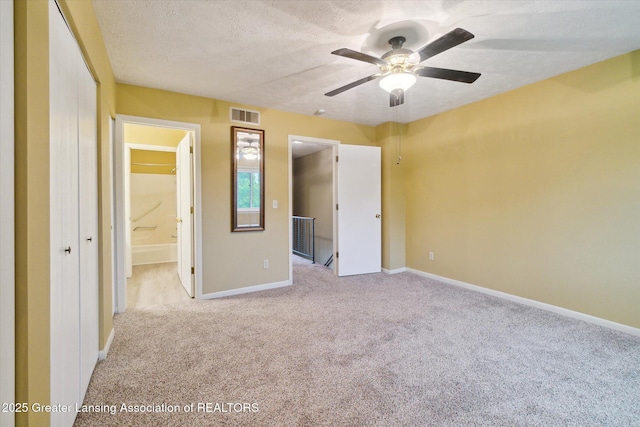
x: 372, y: 350
x: 155, y: 284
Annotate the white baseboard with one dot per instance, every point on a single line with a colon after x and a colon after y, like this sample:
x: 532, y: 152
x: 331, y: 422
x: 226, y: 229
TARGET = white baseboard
x: 533, y: 303
x: 102, y: 354
x: 394, y: 271
x: 245, y: 290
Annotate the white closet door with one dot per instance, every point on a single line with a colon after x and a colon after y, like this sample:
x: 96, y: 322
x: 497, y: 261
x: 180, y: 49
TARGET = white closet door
x: 88, y: 192
x: 64, y: 241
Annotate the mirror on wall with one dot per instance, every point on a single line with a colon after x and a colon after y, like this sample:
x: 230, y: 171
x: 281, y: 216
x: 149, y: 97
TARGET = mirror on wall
x: 247, y: 192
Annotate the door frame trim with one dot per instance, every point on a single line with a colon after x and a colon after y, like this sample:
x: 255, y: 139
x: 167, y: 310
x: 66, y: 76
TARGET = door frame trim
x: 118, y: 202
x: 7, y: 216
x: 335, y: 144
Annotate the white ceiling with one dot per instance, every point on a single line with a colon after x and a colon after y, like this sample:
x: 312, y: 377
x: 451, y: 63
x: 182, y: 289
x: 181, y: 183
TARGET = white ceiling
x: 277, y: 54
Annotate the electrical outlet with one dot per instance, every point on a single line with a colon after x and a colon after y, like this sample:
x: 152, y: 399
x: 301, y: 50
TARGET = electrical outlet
x: 275, y: 204
x: 432, y: 256
x: 266, y: 263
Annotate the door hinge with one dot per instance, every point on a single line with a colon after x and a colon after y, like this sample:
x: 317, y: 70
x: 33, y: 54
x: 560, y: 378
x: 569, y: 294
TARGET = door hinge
x: 337, y: 255
x: 191, y: 209
x: 336, y: 206
x: 193, y: 270
x: 191, y: 149
x: 337, y: 159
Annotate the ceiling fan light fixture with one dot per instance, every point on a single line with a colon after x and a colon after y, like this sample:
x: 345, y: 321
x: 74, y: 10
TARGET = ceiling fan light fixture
x: 403, y: 80
x: 250, y: 153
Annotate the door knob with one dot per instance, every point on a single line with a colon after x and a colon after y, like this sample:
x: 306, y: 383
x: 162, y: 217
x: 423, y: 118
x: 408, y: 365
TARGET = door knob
x: 68, y: 249
x: 378, y: 215
x: 178, y: 219
x: 89, y: 239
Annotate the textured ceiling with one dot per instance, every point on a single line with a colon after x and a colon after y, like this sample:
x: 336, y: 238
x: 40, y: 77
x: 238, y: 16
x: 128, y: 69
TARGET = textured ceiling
x: 277, y: 54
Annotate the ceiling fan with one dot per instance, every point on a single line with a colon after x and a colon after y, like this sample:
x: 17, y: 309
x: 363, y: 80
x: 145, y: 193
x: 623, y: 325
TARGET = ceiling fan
x: 399, y: 67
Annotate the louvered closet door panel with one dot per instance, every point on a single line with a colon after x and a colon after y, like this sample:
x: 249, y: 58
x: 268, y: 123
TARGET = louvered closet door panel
x: 65, y: 250
x: 88, y: 190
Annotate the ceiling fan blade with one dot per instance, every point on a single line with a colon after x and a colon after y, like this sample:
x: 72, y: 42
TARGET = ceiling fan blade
x: 396, y: 97
x: 352, y: 85
x: 348, y: 53
x: 449, y: 40
x: 446, y: 74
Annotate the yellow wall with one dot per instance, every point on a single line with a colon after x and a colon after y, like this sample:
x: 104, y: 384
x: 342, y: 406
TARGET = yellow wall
x: 32, y: 187
x: 535, y: 192
x: 146, y: 161
x: 390, y: 136
x: 235, y: 260
x: 152, y: 135
x: 31, y: 200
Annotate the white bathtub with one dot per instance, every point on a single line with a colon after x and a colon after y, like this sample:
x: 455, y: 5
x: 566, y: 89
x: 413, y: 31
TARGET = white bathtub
x: 154, y: 254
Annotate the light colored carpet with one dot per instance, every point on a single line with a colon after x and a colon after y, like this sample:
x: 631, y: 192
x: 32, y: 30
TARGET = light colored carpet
x: 372, y: 350
x: 155, y: 284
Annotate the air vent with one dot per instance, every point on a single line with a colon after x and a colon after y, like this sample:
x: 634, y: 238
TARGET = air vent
x: 245, y: 116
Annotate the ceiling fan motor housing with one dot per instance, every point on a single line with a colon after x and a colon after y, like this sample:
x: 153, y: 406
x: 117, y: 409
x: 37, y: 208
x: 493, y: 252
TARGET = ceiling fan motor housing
x: 397, y: 42
x: 399, y: 59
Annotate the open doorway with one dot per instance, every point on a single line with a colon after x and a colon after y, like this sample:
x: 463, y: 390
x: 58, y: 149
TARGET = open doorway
x: 157, y: 218
x: 153, y: 276
x: 312, y: 200
x: 356, y: 204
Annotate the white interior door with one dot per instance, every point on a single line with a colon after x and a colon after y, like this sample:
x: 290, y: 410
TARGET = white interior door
x: 88, y: 191
x: 359, y: 205
x: 184, y: 216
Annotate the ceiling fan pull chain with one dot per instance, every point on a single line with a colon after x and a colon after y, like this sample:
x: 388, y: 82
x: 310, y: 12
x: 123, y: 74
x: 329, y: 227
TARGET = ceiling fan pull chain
x: 396, y: 125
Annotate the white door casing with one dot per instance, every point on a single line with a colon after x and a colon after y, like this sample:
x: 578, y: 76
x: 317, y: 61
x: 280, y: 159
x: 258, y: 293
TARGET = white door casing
x: 119, y: 217
x: 359, y: 210
x: 114, y: 264
x: 184, y: 216
x: 7, y: 236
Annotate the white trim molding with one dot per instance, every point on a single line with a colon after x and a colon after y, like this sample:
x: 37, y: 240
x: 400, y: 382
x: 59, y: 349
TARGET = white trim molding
x: 7, y: 215
x: 532, y: 303
x: 246, y: 290
x: 394, y: 271
x: 149, y: 147
x: 102, y: 354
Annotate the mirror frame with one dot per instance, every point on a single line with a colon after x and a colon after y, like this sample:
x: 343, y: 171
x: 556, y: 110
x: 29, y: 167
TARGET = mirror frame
x: 235, y: 131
